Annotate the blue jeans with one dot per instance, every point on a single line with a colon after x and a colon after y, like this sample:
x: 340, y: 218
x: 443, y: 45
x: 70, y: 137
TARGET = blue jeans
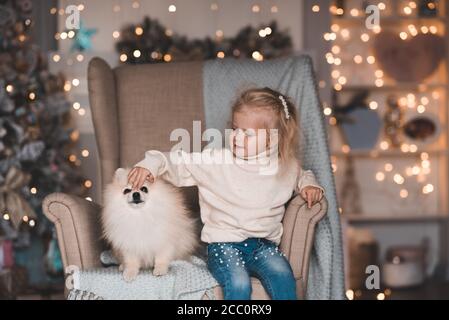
x: 233, y: 263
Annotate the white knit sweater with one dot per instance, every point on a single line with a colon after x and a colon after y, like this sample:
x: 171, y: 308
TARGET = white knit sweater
x: 237, y: 199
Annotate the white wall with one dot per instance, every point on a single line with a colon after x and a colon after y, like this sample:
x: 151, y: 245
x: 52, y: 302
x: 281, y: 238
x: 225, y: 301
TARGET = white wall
x: 193, y: 18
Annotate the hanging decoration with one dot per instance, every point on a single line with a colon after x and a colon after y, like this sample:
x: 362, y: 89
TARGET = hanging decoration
x: 409, y: 60
x: 151, y: 42
x: 82, y: 40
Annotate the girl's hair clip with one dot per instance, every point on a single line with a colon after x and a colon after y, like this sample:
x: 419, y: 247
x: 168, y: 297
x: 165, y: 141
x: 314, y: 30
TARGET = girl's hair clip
x: 284, y: 103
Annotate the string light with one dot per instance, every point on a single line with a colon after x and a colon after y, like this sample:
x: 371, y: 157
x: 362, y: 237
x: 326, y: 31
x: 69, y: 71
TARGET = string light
x: 428, y: 189
x: 335, y: 27
x: 85, y: 153
x: 379, y: 83
x: 9, y: 88
x: 167, y: 57
x: 67, y: 86
x: 257, y: 56
x: 214, y: 6
x: 407, y: 10
x: 6, y: 217
x: 336, y: 49
x: 316, y: 8
x: 82, y: 111
x: 33, y: 190
x: 421, y: 109
x: 345, y: 33
x: 327, y: 111
x: 379, y: 73
x: 136, y: 5
x: 154, y: 55
x: 88, y: 184
x: 350, y: 294
x: 381, y: 6
x: 172, y: 8
x: 398, y: 179
x: 380, y: 176
x: 365, y: 37
x: 384, y: 145
x: 358, y: 59
x: 335, y: 74
x: 373, y: 105
x: 138, y: 31
x: 220, y: 34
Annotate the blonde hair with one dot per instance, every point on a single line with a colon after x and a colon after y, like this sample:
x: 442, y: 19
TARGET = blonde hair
x: 288, y: 129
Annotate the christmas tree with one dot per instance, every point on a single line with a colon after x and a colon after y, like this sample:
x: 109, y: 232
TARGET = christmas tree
x: 37, y: 144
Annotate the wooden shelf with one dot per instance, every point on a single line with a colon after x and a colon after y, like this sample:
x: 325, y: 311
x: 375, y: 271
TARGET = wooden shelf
x: 388, y: 154
x: 395, y: 87
x: 371, y: 218
x: 392, y: 19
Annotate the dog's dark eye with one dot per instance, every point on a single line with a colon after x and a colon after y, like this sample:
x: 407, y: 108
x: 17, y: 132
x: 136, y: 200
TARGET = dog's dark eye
x: 126, y: 191
x: 144, y: 189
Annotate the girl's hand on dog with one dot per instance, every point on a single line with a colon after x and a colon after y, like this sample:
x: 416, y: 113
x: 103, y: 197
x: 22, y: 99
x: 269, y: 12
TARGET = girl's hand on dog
x: 312, y: 195
x: 137, y: 177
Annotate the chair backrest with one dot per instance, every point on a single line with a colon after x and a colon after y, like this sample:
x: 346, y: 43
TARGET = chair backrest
x: 135, y: 108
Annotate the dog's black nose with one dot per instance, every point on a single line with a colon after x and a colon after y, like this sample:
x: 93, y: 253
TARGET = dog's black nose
x: 136, y: 196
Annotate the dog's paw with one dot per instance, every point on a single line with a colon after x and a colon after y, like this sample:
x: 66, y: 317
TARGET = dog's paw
x: 130, y: 275
x: 160, y: 270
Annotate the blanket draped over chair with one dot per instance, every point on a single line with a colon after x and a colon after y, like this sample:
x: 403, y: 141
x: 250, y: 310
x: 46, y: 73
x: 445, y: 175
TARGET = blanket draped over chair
x: 294, y: 77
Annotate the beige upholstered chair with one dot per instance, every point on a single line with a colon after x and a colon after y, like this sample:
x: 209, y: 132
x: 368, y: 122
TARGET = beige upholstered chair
x: 134, y: 108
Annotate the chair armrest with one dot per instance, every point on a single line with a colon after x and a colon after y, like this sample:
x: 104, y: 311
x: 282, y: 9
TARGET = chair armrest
x: 78, y: 227
x: 297, y: 240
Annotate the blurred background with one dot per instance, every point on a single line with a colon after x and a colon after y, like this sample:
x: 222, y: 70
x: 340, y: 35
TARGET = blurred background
x: 381, y: 70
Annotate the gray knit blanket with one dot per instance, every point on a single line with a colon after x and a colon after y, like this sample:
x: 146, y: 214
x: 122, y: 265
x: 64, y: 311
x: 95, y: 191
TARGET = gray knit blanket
x: 186, y: 280
x: 294, y: 77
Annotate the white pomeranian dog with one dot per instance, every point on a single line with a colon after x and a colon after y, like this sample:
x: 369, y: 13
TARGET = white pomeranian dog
x: 147, y: 228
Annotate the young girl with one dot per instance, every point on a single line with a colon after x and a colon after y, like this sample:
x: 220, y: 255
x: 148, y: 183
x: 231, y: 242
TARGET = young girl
x: 242, y: 205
